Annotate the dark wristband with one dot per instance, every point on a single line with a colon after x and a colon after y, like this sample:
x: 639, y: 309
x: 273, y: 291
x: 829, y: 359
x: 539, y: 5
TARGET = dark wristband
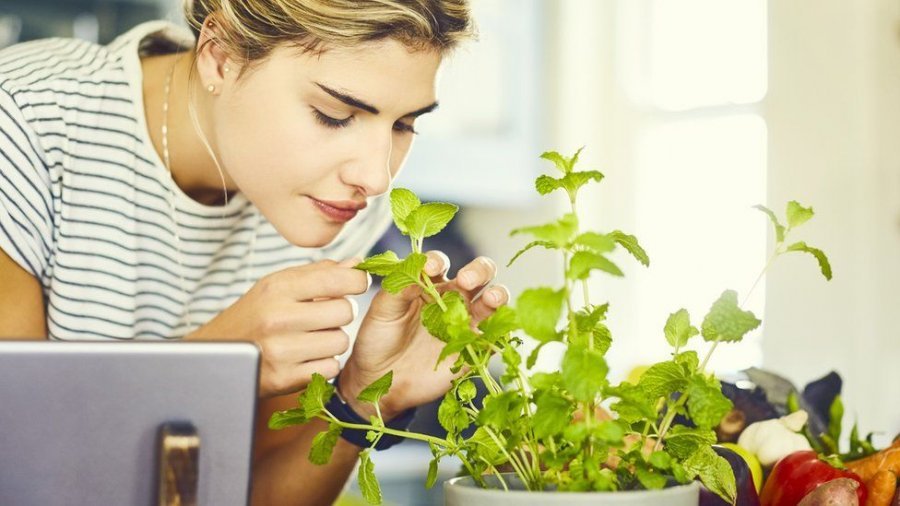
x: 343, y: 412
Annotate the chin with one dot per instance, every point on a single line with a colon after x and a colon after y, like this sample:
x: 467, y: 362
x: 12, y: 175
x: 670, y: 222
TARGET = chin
x: 318, y: 237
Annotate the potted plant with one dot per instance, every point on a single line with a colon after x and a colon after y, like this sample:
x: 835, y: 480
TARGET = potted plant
x: 567, y: 436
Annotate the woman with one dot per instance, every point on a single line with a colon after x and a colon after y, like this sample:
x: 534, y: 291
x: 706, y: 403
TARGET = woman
x: 222, y: 186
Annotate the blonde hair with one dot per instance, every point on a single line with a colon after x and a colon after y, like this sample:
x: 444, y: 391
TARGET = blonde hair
x: 249, y: 29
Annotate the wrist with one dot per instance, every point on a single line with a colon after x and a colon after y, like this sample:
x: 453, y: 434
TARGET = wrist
x: 349, y: 388
x: 344, y: 412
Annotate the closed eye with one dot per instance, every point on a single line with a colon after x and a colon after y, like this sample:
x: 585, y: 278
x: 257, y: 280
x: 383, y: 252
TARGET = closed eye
x: 330, y: 122
x: 404, y: 128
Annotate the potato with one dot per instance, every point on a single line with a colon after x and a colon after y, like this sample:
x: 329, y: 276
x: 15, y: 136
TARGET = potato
x: 839, y: 492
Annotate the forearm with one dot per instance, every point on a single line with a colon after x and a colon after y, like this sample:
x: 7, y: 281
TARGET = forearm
x: 285, y: 476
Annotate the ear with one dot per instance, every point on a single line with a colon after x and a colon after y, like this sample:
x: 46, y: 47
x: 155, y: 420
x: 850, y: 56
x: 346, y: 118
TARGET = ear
x: 212, y: 59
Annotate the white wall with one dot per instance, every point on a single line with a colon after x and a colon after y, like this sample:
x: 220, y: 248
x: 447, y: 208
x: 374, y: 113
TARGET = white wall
x: 834, y: 118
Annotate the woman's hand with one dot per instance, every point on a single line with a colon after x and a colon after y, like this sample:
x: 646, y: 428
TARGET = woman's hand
x: 391, y: 337
x: 294, y: 316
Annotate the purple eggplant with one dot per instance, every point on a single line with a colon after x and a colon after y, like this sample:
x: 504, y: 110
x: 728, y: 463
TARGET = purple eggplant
x: 746, y: 491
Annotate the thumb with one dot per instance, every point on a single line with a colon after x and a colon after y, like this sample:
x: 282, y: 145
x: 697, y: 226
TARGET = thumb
x: 353, y: 262
x: 389, y: 307
x: 350, y: 262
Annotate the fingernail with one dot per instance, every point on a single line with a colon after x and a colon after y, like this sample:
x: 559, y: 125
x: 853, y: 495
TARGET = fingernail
x: 431, y: 265
x: 368, y: 281
x: 492, y: 297
x: 466, y: 277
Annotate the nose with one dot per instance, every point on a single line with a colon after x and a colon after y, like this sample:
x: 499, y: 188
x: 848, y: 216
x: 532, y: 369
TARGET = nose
x: 370, y: 171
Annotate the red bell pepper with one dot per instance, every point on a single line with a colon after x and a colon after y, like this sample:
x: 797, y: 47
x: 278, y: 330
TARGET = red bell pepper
x: 798, y: 474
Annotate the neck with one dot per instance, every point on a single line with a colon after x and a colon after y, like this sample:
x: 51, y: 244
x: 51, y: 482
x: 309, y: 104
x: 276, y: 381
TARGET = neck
x: 190, y: 162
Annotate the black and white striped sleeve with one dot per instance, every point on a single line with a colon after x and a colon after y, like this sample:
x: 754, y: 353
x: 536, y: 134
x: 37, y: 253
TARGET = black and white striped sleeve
x: 26, y: 224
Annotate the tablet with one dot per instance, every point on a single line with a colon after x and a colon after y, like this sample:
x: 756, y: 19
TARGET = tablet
x: 80, y: 422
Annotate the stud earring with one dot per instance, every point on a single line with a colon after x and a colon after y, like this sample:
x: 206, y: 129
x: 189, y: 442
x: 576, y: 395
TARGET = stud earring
x: 227, y: 69
x: 211, y: 88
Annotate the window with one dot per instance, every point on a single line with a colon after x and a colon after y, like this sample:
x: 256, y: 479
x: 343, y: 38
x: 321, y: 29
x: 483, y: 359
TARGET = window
x: 692, y: 75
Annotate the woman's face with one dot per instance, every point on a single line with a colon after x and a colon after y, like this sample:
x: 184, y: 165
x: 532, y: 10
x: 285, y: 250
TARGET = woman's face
x: 309, y: 138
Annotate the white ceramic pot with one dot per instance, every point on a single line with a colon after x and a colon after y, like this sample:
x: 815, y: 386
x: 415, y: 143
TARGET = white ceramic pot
x: 463, y: 491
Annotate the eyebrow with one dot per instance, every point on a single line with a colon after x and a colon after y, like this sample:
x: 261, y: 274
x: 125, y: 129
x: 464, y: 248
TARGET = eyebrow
x: 359, y: 104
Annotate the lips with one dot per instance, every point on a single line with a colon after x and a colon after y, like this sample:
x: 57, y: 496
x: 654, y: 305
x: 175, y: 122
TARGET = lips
x: 340, y: 211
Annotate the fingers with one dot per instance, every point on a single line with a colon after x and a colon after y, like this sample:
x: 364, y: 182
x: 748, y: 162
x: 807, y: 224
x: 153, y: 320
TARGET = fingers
x: 488, y: 302
x: 323, y: 279
x: 289, y: 361
x: 437, y: 266
x: 306, y: 316
x: 476, y: 274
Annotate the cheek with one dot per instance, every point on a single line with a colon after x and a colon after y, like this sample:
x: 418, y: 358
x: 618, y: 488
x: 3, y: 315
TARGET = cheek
x: 402, y: 145
x: 264, y: 144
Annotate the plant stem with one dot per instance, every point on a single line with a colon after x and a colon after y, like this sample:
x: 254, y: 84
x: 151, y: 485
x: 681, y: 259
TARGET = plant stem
x: 741, y: 306
x: 409, y: 435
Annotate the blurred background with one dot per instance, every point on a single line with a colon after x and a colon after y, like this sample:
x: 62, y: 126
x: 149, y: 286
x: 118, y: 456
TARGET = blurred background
x: 695, y: 110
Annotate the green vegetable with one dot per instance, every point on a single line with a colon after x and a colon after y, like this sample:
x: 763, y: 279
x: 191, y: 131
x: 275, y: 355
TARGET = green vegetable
x: 543, y: 426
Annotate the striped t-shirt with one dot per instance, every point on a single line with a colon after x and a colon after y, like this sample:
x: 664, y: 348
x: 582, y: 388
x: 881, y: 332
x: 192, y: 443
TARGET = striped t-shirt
x: 84, y: 200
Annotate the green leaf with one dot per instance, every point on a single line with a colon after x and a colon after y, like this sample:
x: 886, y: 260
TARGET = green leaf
x: 662, y: 379
x: 458, y: 342
x: 546, y: 184
x: 539, y: 310
x: 560, y: 161
x: 779, y: 228
x: 499, y: 324
x: 726, y: 321
x: 377, y: 389
x: 559, y: 233
x: 533, y: 356
x: 583, y: 262
x: 797, y: 214
x: 317, y: 393
x: 588, y: 323
x: 706, y: 403
x: 368, y: 483
x: 323, y: 445
x: 714, y: 471
x: 682, y: 442
x: 660, y: 460
x: 432, y: 473
x: 678, y: 328
x: 545, y: 380
x: 281, y: 419
x: 500, y: 410
x: 435, y: 319
x: 610, y: 431
x: 552, y: 416
x: 403, y: 202
x: 532, y: 244
x: 381, y: 265
x: 430, y: 218
x: 466, y: 391
x: 634, y: 403
x: 484, y: 446
x: 835, y: 418
x: 630, y: 243
x: 406, y: 273
x: 651, y: 480
x: 573, y: 181
x: 513, y: 361
x: 451, y: 415
x: 688, y: 360
x: 824, y: 264
x: 598, y: 243
x: 584, y: 372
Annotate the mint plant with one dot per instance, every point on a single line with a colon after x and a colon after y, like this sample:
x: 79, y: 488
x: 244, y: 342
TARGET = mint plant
x: 551, y: 428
